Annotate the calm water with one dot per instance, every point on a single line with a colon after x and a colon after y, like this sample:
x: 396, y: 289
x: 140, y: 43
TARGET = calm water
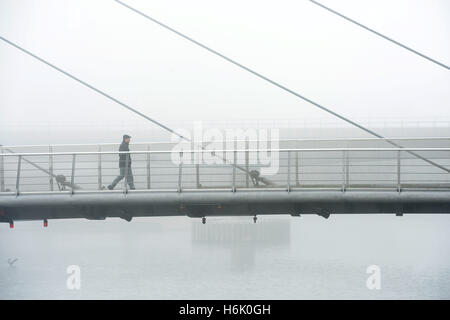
x: 230, y: 258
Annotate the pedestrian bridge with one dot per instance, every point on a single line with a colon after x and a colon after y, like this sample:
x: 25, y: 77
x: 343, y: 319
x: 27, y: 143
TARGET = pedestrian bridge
x: 68, y: 181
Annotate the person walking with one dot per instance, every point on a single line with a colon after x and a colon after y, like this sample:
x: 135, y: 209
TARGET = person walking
x: 124, y: 165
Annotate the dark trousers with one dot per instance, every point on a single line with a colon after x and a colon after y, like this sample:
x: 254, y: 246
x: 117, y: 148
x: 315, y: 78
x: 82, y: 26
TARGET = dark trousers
x: 129, y: 177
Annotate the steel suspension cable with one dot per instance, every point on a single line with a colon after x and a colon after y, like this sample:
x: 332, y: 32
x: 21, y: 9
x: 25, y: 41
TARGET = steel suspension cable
x: 381, y: 35
x: 60, y: 179
x: 259, y: 75
x: 111, y: 98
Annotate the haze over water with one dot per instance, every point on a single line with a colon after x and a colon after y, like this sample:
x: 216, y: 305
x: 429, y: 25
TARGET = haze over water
x: 303, y: 47
x: 161, y: 258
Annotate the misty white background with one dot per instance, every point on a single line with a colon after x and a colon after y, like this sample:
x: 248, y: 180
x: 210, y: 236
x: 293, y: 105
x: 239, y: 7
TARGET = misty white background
x: 296, y: 43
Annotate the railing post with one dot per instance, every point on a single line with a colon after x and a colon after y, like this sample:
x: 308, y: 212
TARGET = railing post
x: 344, y: 169
x: 127, y: 161
x: 2, y: 171
x: 180, y: 171
x: 233, y: 187
x: 99, y: 168
x: 72, y: 180
x: 398, y: 171
x: 148, y: 167
x: 50, y: 167
x: 197, y: 175
x: 247, y: 178
x: 19, y: 165
x: 347, y: 169
x: 289, y: 172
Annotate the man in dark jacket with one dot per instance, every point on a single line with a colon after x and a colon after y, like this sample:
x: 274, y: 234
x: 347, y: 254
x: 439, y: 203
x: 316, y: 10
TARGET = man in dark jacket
x: 124, y: 165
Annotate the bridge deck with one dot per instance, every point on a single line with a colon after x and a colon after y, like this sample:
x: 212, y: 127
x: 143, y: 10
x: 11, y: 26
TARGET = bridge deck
x: 197, y: 182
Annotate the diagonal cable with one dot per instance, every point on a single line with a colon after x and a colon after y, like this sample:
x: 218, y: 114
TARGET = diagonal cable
x: 259, y: 75
x: 57, y: 177
x: 381, y: 35
x: 103, y: 93
x: 92, y: 87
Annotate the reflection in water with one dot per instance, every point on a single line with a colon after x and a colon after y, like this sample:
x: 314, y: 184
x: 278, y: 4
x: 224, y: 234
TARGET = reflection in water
x: 279, y: 257
x: 243, y: 237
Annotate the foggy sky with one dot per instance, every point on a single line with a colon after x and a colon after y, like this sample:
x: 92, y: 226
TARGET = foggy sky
x: 294, y: 42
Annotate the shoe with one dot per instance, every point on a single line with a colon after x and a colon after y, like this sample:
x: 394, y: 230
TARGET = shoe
x: 110, y: 187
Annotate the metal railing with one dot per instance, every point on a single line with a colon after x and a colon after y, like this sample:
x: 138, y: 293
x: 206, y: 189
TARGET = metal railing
x: 157, y: 145
x: 315, y: 168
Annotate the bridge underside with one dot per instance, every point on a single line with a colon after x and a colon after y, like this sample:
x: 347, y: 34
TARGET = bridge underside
x: 101, y: 205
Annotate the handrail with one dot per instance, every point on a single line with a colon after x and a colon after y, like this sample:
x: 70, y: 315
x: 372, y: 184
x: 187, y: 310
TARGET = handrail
x: 219, y: 151
x: 225, y: 141
x: 284, y: 168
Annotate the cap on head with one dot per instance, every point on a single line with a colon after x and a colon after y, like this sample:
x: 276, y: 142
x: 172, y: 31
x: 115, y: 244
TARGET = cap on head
x: 125, y: 136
